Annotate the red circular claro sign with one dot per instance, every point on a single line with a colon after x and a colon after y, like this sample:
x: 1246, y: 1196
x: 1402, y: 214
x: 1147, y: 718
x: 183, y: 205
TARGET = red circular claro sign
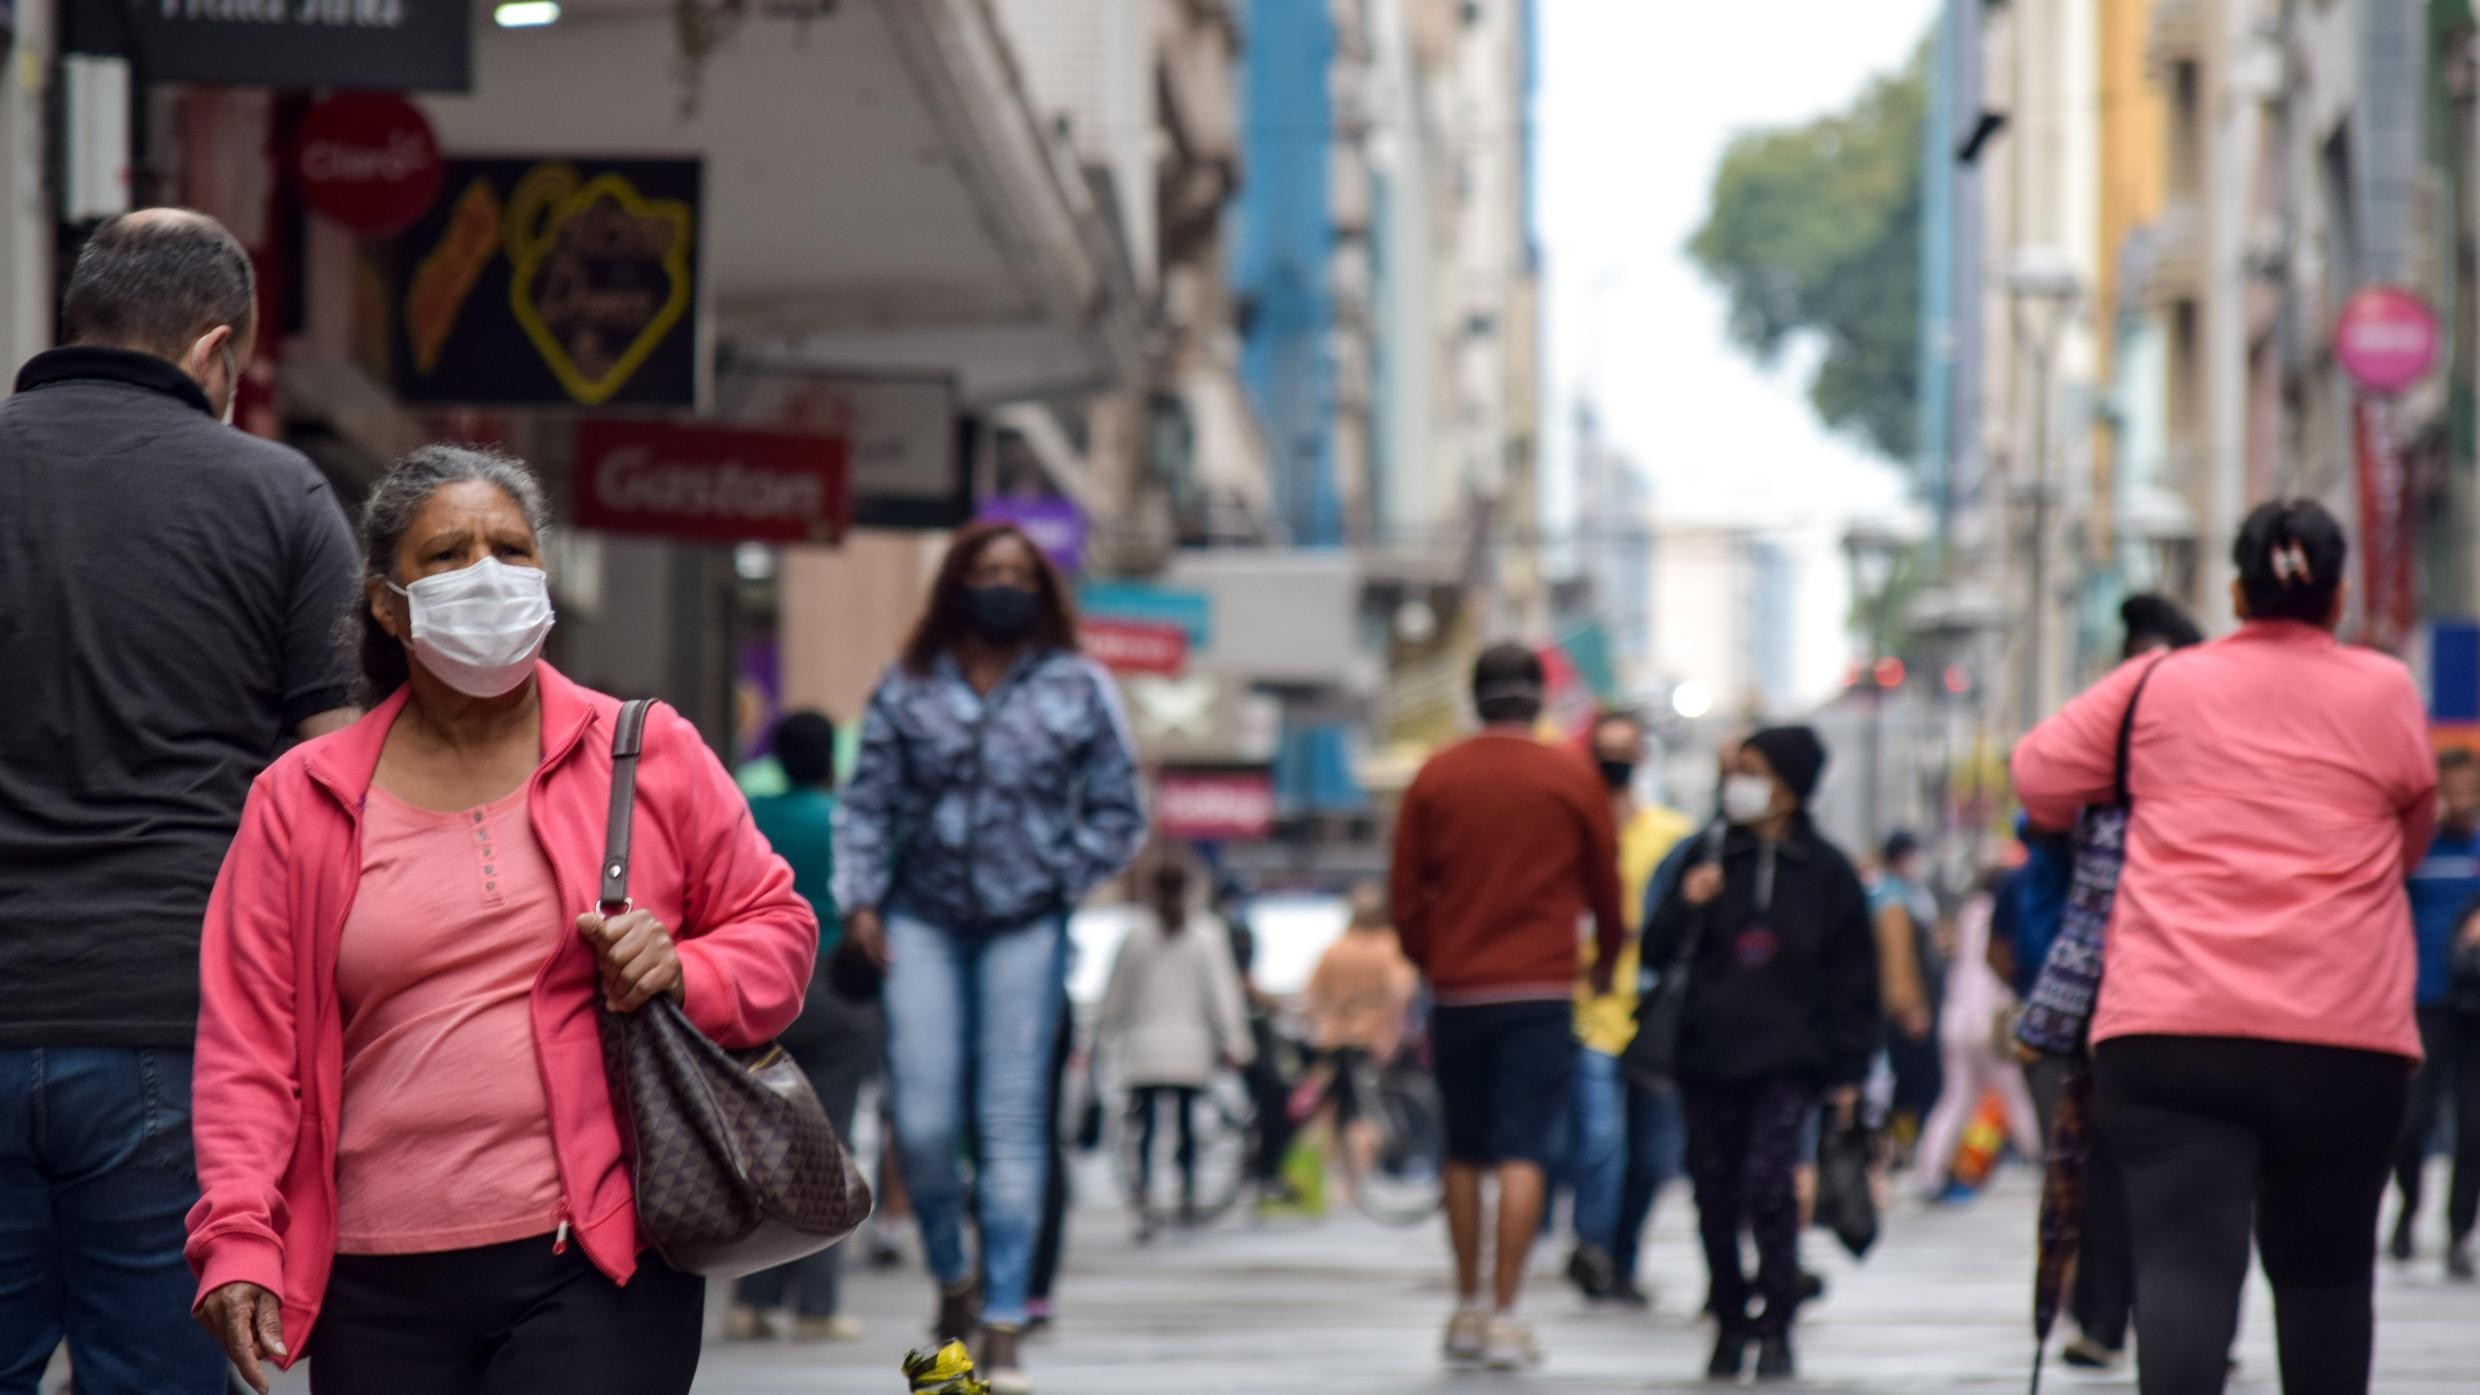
x: 368, y: 160
x: 2387, y: 339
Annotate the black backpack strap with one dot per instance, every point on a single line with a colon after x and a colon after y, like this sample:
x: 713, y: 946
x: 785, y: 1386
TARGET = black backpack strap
x: 627, y: 742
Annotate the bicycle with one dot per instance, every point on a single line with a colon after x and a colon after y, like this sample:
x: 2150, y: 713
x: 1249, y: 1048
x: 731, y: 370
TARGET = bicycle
x: 1220, y: 1131
x: 1389, y: 1132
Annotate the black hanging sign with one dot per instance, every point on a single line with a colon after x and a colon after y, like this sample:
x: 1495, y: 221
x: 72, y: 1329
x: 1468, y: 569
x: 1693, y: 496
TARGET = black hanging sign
x: 425, y: 45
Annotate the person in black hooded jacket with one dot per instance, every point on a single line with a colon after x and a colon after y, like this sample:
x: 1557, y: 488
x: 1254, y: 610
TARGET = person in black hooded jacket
x: 1782, y: 1010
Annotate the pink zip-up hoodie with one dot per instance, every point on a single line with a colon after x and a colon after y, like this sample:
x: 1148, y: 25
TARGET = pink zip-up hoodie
x: 270, y: 1060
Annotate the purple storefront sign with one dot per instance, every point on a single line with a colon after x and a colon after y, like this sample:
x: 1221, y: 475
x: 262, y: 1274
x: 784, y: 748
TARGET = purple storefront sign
x: 1055, y: 525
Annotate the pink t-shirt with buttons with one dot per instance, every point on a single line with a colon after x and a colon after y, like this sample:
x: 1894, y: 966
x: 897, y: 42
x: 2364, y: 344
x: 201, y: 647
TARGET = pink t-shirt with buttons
x: 445, y: 1135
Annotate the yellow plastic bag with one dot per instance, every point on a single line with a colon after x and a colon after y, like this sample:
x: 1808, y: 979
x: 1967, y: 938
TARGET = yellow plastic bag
x: 947, y: 1371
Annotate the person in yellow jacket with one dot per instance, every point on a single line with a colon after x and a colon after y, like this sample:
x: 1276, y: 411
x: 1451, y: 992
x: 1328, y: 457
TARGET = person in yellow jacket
x: 1625, y: 1140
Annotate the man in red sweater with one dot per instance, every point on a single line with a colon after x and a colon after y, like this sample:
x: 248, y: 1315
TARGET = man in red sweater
x: 1503, y: 846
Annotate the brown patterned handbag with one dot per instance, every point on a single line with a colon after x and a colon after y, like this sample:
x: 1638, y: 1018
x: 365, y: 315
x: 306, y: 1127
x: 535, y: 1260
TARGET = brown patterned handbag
x: 735, y: 1165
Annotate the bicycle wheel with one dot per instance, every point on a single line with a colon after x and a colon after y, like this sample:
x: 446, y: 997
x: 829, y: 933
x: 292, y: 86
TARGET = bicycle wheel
x: 1222, y: 1122
x: 1406, y: 1181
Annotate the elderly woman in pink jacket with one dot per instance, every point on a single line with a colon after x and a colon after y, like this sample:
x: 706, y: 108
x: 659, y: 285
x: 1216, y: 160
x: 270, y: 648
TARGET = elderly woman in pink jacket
x: 406, y: 1143
x: 2254, y: 1040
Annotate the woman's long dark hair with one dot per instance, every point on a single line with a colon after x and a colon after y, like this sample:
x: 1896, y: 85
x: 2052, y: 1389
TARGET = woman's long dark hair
x: 394, y: 503
x: 944, y: 621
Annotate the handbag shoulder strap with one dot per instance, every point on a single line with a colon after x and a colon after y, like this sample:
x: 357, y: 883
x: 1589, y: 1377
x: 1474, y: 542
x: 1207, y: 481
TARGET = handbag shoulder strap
x: 628, y: 741
x: 2127, y: 731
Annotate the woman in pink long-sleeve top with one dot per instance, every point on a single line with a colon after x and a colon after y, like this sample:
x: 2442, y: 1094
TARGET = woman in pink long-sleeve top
x: 2255, y: 1037
x: 411, y: 1168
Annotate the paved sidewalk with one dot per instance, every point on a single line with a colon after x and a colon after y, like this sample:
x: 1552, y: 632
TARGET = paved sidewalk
x: 1348, y: 1308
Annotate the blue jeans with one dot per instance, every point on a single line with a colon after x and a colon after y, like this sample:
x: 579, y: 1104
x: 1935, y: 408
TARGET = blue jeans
x: 96, y: 1177
x: 1627, y: 1148
x: 975, y: 1008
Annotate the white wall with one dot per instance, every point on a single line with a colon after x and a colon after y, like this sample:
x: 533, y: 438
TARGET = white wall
x: 25, y: 200
x: 1092, y: 62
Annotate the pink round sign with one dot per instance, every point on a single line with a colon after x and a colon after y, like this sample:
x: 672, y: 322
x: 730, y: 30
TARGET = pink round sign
x: 2387, y: 339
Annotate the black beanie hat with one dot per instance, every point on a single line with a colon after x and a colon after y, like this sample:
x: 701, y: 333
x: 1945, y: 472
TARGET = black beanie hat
x: 1795, y: 755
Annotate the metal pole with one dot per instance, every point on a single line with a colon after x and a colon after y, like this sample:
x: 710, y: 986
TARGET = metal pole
x: 2036, y: 624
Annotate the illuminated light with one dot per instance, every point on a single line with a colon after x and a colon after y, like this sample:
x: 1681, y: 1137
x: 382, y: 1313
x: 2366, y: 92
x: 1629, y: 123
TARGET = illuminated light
x: 1692, y: 700
x: 1889, y: 673
x: 526, y: 14
x: 1958, y: 682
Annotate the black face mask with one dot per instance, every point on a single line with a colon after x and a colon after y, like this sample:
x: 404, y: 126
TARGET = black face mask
x: 1618, y: 774
x: 1001, y: 614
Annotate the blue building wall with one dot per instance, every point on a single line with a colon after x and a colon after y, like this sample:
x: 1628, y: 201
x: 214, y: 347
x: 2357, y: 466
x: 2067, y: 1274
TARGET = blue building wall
x: 1284, y: 237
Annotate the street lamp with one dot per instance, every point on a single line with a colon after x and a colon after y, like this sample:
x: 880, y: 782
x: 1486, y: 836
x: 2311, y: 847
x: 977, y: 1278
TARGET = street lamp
x: 2045, y: 290
x: 1873, y: 550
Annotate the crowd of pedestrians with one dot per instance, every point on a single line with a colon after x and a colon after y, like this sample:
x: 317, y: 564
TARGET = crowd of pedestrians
x: 297, y: 826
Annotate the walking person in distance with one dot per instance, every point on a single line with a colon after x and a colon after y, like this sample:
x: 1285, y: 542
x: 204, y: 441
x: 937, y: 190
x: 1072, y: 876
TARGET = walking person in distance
x: 837, y: 1038
x: 169, y: 595
x: 1502, y: 846
x: 2255, y: 1038
x: 1782, y: 1013
x: 1171, y: 1016
x: 1627, y: 1139
x: 2445, y: 889
x: 413, y: 1170
x: 997, y: 786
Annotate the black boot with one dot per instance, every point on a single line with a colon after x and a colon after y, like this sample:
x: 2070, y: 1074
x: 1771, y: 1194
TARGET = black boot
x: 1730, y: 1355
x: 2458, y: 1260
x: 2403, y: 1247
x: 960, y: 1312
x: 1774, y: 1358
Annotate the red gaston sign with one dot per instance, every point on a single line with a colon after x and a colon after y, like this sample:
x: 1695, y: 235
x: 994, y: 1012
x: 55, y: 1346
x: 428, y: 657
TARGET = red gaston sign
x: 369, y: 161
x: 1209, y: 806
x: 1135, y: 646
x: 712, y: 483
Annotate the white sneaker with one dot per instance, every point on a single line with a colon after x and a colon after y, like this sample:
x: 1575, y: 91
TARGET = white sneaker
x: 1511, y: 1346
x: 1468, y: 1337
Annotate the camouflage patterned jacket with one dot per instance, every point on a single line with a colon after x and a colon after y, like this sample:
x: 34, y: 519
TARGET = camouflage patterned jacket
x: 983, y: 813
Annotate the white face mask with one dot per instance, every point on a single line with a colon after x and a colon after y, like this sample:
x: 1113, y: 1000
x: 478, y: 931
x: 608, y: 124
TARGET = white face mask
x: 1747, y: 799
x: 479, y: 629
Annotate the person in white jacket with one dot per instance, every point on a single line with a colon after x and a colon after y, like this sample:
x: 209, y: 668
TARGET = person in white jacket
x: 1172, y: 1015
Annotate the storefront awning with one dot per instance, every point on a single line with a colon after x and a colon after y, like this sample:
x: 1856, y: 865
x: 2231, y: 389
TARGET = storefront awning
x: 879, y: 192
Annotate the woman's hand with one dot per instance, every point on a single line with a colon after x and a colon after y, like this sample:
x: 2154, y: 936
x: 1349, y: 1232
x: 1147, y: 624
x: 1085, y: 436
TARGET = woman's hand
x: 637, y: 956
x: 248, y: 1322
x: 1704, y: 883
x: 868, y: 934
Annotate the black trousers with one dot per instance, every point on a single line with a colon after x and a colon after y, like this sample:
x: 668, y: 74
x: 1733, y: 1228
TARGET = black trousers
x: 1144, y: 1104
x: 2451, y: 1041
x: 1050, y: 1243
x: 2104, y: 1300
x: 511, y: 1319
x: 2216, y: 1135
x: 1743, y: 1144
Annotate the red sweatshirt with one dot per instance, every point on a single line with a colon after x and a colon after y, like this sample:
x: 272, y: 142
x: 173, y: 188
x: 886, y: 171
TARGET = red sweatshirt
x: 1502, y: 846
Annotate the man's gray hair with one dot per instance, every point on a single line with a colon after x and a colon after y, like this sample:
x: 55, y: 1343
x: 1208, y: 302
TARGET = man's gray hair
x: 157, y: 279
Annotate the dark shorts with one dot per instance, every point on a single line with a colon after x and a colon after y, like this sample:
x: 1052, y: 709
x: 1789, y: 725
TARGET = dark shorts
x: 1506, y: 1072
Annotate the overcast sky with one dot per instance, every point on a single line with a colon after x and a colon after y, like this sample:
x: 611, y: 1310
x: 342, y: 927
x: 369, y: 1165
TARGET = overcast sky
x: 1638, y: 99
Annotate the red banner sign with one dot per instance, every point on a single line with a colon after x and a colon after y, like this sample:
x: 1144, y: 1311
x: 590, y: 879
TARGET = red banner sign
x: 369, y: 161
x: 712, y: 483
x: 2389, y: 593
x: 1214, y: 806
x: 1134, y: 646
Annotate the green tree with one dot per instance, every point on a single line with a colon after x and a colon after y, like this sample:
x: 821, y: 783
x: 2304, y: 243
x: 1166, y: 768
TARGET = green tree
x: 1814, y: 235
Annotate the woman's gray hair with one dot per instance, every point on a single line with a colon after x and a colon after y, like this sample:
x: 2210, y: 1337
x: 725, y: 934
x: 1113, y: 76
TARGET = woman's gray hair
x: 394, y: 503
